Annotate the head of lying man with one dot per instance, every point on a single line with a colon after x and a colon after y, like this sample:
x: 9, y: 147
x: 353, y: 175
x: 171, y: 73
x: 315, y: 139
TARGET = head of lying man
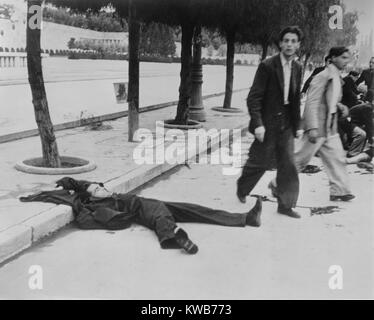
x: 83, y: 187
x: 98, y: 190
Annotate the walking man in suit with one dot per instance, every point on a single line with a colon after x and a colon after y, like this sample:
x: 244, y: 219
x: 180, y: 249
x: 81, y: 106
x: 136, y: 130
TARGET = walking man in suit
x: 274, y: 107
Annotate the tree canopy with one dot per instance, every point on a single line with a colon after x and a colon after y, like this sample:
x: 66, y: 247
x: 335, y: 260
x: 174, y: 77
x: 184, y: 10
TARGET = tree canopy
x: 348, y: 35
x: 157, y: 40
x: 257, y: 22
x: 100, y: 21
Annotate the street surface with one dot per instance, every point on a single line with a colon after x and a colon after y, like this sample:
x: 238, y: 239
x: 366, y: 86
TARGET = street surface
x: 285, y: 258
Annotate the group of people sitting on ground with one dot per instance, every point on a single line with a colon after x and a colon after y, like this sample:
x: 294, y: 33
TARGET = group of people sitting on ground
x: 355, y: 122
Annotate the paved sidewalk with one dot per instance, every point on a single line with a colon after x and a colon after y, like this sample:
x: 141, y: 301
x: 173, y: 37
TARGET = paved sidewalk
x: 81, y: 89
x: 283, y: 259
x: 21, y: 224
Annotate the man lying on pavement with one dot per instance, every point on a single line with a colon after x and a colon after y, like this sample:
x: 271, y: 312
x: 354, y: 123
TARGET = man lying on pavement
x: 95, y: 207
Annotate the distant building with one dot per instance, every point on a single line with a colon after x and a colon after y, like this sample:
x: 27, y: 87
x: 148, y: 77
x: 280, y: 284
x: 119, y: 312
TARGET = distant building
x: 53, y: 37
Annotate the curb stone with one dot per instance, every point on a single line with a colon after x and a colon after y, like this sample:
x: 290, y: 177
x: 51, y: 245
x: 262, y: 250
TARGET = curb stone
x: 49, y: 221
x: 14, y: 240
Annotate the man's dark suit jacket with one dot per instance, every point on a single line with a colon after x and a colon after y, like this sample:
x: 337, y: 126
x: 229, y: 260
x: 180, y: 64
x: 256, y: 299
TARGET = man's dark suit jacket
x: 367, y: 77
x: 265, y: 100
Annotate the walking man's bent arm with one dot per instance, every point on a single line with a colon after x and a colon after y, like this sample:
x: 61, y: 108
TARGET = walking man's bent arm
x: 255, y: 102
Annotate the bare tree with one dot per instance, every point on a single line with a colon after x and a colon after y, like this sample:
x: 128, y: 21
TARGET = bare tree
x: 51, y: 156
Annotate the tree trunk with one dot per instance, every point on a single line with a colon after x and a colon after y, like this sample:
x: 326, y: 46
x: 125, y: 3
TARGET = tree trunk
x: 229, y: 68
x: 185, y: 74
x: 51, y: 156
x: 264, y: 51
x: 133, y: 97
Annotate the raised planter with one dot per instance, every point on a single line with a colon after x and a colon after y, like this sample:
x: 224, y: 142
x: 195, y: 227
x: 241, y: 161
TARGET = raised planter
x: 70, y: 165
x: 192, y: 124
x: 228, y: 110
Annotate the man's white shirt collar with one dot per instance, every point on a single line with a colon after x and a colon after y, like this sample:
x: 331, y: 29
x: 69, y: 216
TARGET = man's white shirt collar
x: 284, y: 60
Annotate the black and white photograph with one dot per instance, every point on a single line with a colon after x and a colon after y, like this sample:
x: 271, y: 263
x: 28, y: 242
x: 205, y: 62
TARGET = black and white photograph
x: 186, y: 150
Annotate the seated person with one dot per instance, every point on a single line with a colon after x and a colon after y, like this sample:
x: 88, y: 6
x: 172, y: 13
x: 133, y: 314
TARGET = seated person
x: 350, y: 92
x: 367, y: 76
x: 362, y: 117
x: 353, y: 137
x: 95, y: 207
x: 356, y: 129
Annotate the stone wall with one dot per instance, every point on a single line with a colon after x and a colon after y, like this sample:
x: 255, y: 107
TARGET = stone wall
x: 54, y: 36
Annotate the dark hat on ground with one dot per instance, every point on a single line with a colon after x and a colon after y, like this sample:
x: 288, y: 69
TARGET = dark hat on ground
x: 68, y: 183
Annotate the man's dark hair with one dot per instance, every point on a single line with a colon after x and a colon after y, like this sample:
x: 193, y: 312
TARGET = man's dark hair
x: 291, y: 29
x: 337, y: 51
x: 354, y: 73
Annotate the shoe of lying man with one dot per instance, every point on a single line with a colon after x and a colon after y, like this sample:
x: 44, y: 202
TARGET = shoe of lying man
x: 184, y: 242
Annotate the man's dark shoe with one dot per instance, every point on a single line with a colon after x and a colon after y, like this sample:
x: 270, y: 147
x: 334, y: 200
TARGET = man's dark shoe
x: 288, y: 212
x: 184, y: 242
x: 241, y: 198
x: 346, y: 197
x: 254, y: 215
